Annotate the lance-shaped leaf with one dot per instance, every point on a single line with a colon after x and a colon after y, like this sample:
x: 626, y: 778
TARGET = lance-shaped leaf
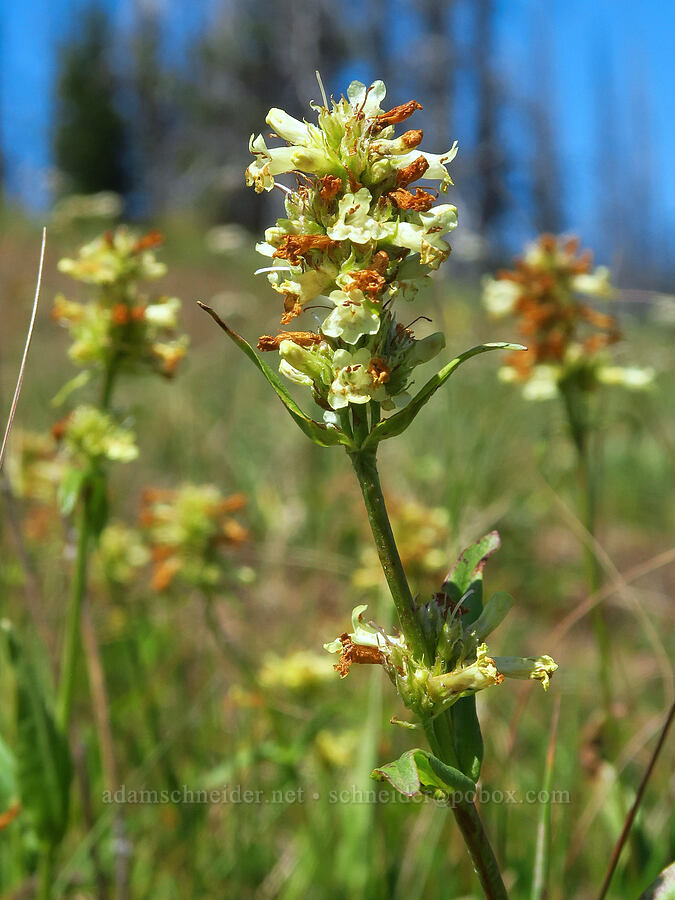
x: 419, y: 772
x: 316, y: 431
x: 399, y: 422
x: 465, y: 582
x: 43, y: 767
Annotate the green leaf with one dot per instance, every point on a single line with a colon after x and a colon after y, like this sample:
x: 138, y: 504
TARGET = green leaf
x: 467, y: 737
x: 542, y: 859
x: 465, y: 582
x: 419, y: 772
x: 316, y: 431
x: 399, y: 422
x: 43, y: 767
x: 70, y: 489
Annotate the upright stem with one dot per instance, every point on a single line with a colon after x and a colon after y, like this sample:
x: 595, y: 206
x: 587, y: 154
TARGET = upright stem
x: 46, y: 874
x: 72, y: 637
x: 365, y: 467
x: 79, y: 583
x: 577, y: 414
x: 108, y: 382
x: 438, y: 731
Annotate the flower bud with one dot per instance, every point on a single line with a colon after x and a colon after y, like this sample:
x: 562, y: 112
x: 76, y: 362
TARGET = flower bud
x: 288, y: 128
x: 539, y: 668
x: 306, y: 361
x: 426, y: 349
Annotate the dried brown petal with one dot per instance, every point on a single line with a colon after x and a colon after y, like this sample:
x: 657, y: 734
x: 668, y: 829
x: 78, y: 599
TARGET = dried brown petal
x: 303, y: 338
x: 354, y: 653
x: 397, y: 114
x: 148, y: 241
x: 292, y: 308
x: 330, y: 186
x: 412, y: 172
x: 369, y: 281
x: 379, y: 370
x: 420, y: 201
x: 294, y: 246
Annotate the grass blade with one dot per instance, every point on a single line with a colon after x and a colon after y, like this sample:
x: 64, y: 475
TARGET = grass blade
x: 542, y: 858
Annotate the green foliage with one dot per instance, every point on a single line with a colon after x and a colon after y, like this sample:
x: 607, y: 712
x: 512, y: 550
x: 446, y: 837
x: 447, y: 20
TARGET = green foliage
x: 43, y: 767
x: 316, y: 431
x: 397, y: 423
x: 179, y: 711
x: 420, y: 772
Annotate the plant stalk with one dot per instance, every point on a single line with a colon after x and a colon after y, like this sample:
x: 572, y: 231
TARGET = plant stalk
x: 365, y: 466
x: 46, y: 874
x: 439, y: 731
x: 72, y: 637
x: 576, y: 407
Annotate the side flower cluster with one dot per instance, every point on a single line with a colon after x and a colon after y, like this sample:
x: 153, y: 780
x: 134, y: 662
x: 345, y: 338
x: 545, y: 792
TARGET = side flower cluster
x: 120, y: 325
x: 456, y: 627
x: 566, y: 338
x: 187, y: 531
x: 357, y: 237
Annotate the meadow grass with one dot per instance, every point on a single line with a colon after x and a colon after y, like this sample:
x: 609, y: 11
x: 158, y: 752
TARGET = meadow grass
x: 184, y: 714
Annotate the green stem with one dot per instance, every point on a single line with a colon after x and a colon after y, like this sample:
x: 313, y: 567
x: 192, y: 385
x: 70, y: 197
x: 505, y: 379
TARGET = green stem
x: 46, y: 874
x: 72, y: 637
x: 108, y: 382
x: 439, y: 731
x: 365, y: 467
x: 576, y: 406
x: 439, y: 735
x: 79, y: 583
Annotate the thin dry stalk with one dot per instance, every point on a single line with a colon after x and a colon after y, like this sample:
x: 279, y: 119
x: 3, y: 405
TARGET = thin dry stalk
x: 623, y: 837
x: 29, y: 337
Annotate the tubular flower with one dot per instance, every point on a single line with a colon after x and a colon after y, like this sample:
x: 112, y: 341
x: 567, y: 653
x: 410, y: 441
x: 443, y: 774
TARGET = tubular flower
x: 564, y: 334
x: 462, y: 664
x: 120, y: 323
x: 187, y: 531
x: 357, y: 235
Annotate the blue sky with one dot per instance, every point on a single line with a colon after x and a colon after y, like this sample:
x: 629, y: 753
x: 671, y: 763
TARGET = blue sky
x: 633, y: 40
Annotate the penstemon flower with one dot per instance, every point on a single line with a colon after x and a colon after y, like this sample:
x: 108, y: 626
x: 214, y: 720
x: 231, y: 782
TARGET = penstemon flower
x: 461, y: 665
x: 566, y: 337
x: 34, y: 466
x: 357, y: 235
x: 120, y: 326
x: 187, y: 530
x: 360, y: 238
x: 90, y: 435
x: 567, y: 358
